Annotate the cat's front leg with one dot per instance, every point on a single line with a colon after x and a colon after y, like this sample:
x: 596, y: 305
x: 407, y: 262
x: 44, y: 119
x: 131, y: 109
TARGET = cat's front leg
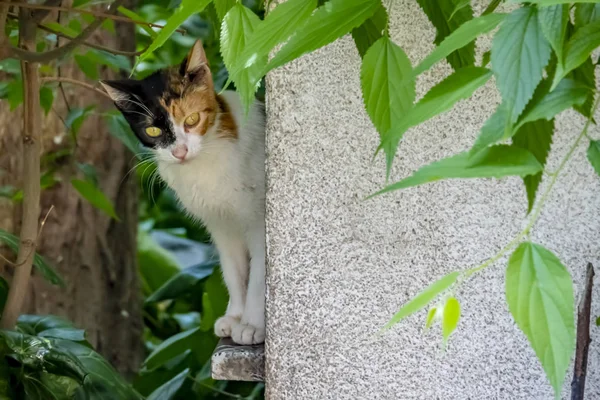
x: 233, y: 256
x: 251, y: 329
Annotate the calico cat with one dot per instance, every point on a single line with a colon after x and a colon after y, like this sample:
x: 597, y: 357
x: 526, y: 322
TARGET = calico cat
x: 212, y: 155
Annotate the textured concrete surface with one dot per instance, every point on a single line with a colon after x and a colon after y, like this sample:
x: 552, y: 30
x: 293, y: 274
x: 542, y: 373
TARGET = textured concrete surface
x: 232, y: 362
x: 339, y: 267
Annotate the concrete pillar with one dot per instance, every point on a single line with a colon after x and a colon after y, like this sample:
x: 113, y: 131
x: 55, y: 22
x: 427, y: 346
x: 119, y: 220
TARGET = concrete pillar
x: 339, y: 267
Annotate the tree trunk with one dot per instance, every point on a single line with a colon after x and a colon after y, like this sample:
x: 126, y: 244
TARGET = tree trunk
x: 95, y: 255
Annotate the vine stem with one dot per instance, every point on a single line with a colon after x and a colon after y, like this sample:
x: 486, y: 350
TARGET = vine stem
x: 539, y: 206
x: 61, y: 79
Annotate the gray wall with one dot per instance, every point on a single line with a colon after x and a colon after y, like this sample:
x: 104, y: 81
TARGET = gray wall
x: 340, y: 267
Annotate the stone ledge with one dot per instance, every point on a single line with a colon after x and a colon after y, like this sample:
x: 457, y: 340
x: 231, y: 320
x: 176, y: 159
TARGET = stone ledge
x: 232, y: 362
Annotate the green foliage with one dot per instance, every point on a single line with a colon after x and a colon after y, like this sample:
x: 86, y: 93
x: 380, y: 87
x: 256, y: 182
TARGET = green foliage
x: 578, y: 49
x: 451, y: 315
x: 370, y: 31
x: 539, y: 293
x: 447, y: 16
x: 41, y: 265
x: 519, y: 54
x: 593, y: 155
x: 92, y: 193
x: 422, y: 299
x: 492, y: 162
x: 553, y: 21
x: 326, y: 24
x: 461, y: 37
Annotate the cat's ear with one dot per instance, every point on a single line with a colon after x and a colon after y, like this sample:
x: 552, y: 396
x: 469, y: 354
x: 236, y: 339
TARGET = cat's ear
x: 196, y: 58
x: 121, y: 91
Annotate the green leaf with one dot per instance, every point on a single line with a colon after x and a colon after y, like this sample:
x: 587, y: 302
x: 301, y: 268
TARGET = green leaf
x: 223, y: 7
x: 46, y: 99
x: 492, y: 162
x: 172, y: 347
x: 430, y: 317
x: 76, y: 117
x: 465, y: 34
x: 87, y: 66
x: 156, y: 264
x: 40, y: 264
x: 519, y: 54
x: 183, y: 12
x: 14, y: 93
x: 116, y: 62
x: 585, y: 75
x: 329, y: 22
x: 586, y: 13
x: 440, y: 13
x: 535, y: 137
x: 578, y: 49
x: 170, y: 388
x: 119, y: 128
x: 238, y: 25
x: 136, y: 17
x: 370, y: 31
x: 422, y: 299
x: 214, y: 300
x: 95, y: 197
x: 183, y: 283
x: 278, y: 26
x: 34, y: 324
x: 450, y: 317
x: 76, y: 335
x: 553, y: 21
x: 64, y: 29
x: 539, y: 293
x: 388, y: 87
x: 593, y: 155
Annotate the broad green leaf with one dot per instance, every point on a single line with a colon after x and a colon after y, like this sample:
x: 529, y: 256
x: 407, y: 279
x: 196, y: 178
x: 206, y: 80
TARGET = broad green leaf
x: 116, y: 62
x: 492, y: 162
x: 535, y: 137
x: 545, y: 3
x: 172, y: 347
x: 223, y: 7
x: 430, y: 317
x: 170, y: 388
x: 553, y: 21
x: 585, y: 75
x: 329, y: 22
x: 493, y: 129
x: 422, y: 299
x: 578, y: 49
x: 450, y: 317
x: 156, y: 264
x: 89, y: 171
x: 539, y: 293
x: 567, y: 94
x: 40, y: 263
x: 183, y: 283
x: 95, y: 197
x: 64, y: 29
x: 370, y: 31
x: 465, y: 34
x: 238, y: 25
x: 60, y: 387
x: 519, y: 54
x: 76, y: 117
x: 214, y: 300
x: 485, y: 59
x: 441, y: 98
x: 183, y: 12
x: 46, y: 99
x: 34, y: 324
x: 76, y: 335
x: 593, y: 155
x: 87, y: 66
x: 119, y: 128
x: 277, y: 27
x: 439, y: 13
x: 13, y: 92
x: 586, y: 13
x: 388, y: 87
x: 136, y: 17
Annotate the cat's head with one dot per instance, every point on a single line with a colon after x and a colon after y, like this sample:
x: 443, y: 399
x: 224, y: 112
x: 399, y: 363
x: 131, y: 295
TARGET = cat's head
x: 173, y: 111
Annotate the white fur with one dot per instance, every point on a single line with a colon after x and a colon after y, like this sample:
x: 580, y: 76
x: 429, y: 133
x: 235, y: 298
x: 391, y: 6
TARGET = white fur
x: 222, y: 182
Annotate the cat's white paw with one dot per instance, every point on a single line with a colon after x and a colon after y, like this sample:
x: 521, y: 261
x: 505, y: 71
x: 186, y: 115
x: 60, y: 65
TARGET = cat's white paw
x: 224, y: 325
x: 247, y: 334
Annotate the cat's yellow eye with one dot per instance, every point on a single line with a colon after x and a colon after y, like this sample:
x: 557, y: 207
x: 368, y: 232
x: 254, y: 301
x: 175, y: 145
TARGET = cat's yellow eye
x: 192, y: 119
x: 153, y: 131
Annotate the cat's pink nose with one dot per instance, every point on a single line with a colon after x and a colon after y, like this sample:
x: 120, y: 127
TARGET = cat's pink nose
x: 180, y: 152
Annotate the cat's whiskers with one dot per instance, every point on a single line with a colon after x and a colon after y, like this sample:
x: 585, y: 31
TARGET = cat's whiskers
x: 144, y: 107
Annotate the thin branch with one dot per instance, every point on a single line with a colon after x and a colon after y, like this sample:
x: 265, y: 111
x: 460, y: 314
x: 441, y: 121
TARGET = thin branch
x: 3, y: 14
x: 583, y: 337
x: 98, y: 14
x: 31, y: 175
x: 61, y: 79
x: 32, y: 56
